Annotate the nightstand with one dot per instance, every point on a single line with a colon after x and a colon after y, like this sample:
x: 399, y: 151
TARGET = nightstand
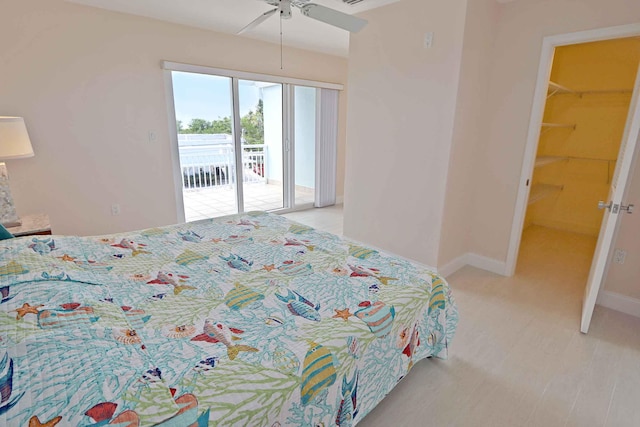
x: 32, y: 225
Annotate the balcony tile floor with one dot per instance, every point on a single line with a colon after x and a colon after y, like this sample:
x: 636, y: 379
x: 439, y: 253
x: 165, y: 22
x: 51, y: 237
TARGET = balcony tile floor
x: 212, y: 202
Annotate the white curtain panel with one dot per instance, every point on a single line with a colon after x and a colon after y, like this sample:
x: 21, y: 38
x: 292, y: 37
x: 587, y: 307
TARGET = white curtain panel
x: 326, y: 147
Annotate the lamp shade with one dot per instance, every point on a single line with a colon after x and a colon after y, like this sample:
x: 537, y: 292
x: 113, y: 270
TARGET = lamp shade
x: 14, y: 139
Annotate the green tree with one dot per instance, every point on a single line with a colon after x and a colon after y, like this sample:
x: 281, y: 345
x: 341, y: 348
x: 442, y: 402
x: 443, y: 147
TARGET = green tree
x: 253, y: 125
x: 222, y: 125
x: 199, y: 126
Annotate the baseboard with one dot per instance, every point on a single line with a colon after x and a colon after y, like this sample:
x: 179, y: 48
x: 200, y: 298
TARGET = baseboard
x: 474, y: 260
x: 391, y: 254
x: 619, y: 302
x: 489, y: 264
x: 451, y: 267
x: 606, y: 299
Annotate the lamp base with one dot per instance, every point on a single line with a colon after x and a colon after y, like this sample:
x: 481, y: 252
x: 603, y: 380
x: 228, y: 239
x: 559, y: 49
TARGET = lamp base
x: 7, y: 209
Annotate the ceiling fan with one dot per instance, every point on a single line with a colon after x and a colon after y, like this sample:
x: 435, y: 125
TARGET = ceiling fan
x: 312, y: 10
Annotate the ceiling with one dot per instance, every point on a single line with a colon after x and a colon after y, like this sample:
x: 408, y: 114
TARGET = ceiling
x: 229, y: 16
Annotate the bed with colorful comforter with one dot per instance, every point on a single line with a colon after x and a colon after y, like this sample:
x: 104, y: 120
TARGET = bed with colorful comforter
x: 248, y: 320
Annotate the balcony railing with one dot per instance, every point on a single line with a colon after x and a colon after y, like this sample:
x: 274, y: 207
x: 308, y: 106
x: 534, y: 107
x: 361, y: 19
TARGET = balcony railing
x: 213, y: 164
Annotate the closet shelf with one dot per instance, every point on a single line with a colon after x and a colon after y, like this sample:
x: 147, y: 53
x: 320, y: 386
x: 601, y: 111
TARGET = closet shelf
x: 547, y: 160
x: 593, y: 159
x: 556, y: 89
x: 540, y: 191
x: 558, y: 125
x: 605, y: 92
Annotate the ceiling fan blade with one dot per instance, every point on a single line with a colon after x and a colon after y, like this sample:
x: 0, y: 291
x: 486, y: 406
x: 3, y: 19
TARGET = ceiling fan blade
x: 259, y: 20
x: 333, y: 17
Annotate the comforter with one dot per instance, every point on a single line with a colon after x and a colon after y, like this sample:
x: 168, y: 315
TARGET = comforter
x: 248, y: 320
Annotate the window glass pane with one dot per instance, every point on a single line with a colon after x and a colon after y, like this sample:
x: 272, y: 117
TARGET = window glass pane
x: 261, y: 118
x: 206, y: 145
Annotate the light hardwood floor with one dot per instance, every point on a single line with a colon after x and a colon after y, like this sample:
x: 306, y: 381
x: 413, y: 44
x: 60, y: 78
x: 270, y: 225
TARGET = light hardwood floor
x: 518, y: 358
x: 326, y: 219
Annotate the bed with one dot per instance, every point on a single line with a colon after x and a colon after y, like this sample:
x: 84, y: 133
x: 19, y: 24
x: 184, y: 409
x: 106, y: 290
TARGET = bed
x: 248, y: 320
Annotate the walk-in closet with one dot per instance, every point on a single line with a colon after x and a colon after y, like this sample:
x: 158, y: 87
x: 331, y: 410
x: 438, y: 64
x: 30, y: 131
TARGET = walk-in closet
x: 585, y: 115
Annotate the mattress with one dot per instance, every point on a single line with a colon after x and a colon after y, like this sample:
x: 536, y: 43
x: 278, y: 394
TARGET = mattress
x: 248, y: 320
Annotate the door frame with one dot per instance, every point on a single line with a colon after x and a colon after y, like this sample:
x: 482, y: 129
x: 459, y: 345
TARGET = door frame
x: 237, y: 144
x: 549, y: 45
x: 174, y: 148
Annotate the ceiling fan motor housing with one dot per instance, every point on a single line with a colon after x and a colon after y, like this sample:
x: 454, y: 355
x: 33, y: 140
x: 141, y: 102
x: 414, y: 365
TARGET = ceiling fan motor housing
x: 285, y: 9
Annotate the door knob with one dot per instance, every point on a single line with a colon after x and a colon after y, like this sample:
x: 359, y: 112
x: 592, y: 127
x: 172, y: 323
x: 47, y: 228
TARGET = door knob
x: 629, y: 208
x: 603, y: 205
x: 613, y: 208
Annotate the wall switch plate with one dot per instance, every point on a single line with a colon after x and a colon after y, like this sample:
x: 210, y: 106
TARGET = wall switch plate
x: 619, y: 256
x: 428, y: 40
x: 115, y: 209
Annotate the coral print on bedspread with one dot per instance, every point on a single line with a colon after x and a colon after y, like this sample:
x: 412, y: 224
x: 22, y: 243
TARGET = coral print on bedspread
x: 246, y: 320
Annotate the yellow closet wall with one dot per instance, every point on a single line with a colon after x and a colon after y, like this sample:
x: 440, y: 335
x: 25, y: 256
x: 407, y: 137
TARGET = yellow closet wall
x: 603, y: 73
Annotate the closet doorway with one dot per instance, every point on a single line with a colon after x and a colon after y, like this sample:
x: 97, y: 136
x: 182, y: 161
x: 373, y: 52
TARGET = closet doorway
x: 578, y: 155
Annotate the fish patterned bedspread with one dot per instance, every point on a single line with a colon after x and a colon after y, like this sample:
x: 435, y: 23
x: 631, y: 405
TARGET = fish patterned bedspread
x: 248, y: 320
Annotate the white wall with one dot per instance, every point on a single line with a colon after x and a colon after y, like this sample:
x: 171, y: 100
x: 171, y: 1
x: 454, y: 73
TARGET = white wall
x: 469, y: 128
x: 90, y: 87
x: 416, y: 133
x: 402, y: 101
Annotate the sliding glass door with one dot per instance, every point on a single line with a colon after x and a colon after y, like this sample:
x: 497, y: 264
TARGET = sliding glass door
x: 260, y: 106
x: 206, y: 144
x: 246, y: 144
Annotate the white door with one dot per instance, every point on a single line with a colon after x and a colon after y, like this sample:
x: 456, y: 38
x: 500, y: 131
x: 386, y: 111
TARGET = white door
x: 613, y: 209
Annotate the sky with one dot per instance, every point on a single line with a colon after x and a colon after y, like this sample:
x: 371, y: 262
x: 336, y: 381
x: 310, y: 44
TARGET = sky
x: 201, y: 96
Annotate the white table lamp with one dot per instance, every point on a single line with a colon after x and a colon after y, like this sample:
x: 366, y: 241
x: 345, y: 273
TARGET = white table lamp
x: 14, y: 144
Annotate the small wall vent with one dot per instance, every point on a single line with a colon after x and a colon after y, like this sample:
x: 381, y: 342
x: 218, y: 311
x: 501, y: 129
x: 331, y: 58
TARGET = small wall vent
x: 352, y: 2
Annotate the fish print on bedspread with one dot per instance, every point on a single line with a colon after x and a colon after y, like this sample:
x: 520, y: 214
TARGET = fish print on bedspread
x: 249, y: 319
